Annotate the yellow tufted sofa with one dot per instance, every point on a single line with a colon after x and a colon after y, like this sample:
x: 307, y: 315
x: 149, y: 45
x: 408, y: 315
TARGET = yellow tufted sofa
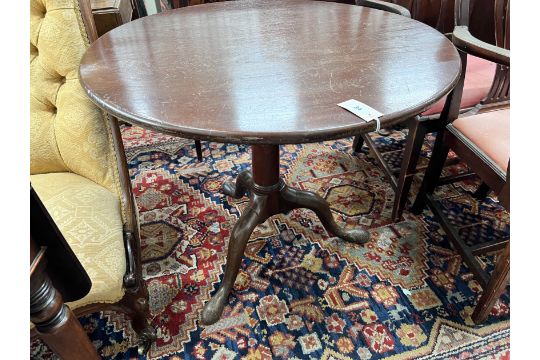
x: 78, y: 166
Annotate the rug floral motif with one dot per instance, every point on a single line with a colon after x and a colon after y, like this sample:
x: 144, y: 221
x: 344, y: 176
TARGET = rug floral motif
x: 301, y: 294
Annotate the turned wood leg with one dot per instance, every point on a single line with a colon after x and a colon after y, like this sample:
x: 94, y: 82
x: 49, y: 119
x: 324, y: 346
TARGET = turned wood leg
x: 55, y: 323
x: 293, y: 199
x: 357, y: 143
x: 415, y: 139
x: 58, y: 327
x: 198, y: 149
x: 241, y: 232
x: 495, y: 287
x: 242, y: 185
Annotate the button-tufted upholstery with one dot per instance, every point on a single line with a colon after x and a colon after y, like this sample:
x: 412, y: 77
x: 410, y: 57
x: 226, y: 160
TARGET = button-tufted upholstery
x: 68, y: 133
x: 72, y: 157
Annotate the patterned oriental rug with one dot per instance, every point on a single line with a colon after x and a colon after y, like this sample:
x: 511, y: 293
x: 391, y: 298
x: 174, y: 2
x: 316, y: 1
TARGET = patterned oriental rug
x: 301, y: 294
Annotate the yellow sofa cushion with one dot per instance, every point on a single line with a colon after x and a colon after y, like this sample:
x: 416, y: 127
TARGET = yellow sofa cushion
x: 88, y: 215
x: 68, y: 133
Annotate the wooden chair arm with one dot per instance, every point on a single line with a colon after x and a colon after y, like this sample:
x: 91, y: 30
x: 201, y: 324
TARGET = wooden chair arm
x: 385, y: 6
x: 464, y: 40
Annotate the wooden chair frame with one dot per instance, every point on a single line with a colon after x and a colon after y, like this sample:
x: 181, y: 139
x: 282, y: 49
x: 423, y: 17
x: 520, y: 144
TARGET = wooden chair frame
x: 419, y: 126
x: 135, y: 302
x: 448, y: 137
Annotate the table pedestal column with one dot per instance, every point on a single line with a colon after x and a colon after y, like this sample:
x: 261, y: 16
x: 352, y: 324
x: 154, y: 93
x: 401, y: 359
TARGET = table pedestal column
x: 269, y: 195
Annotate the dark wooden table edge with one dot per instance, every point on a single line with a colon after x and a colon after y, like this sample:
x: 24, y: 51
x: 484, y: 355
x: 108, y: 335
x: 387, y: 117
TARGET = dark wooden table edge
x: 267, y: 138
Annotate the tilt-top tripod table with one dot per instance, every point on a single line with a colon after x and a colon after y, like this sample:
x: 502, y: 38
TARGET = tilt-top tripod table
x: 266, y: 73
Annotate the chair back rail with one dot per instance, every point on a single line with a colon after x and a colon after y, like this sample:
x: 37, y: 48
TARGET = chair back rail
x: 435, y: 13
x: 494, y: 30
x: 438, y: 14
x: 500, y: 89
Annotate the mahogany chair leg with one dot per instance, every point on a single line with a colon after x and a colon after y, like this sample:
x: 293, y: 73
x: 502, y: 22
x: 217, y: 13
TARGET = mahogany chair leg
x: 198, y: 148
x: 433, y: 172
x: 415, y: 139
x: 482, y: 192
x: 495, y: 287
x: 358, y: 142
x: 135, y: 305
x: 56, y: 324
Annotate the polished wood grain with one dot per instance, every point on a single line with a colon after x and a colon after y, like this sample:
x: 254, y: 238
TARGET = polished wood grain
x: 268, y: 72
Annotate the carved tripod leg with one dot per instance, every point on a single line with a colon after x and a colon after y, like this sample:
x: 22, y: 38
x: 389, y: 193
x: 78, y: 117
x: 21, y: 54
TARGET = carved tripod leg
x: 241, y: 232
x: 244, y: 182
x: 294, y: 198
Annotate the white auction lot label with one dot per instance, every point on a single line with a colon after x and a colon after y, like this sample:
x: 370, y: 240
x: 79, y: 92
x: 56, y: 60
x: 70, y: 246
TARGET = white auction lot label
x: 363, y: 111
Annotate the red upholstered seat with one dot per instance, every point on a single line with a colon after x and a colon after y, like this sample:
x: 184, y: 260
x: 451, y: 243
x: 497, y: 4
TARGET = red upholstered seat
x: 478, y: 78
x: 490, y: 132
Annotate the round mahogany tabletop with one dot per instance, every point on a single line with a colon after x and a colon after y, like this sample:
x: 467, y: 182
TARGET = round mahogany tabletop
x: 268, y: 71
